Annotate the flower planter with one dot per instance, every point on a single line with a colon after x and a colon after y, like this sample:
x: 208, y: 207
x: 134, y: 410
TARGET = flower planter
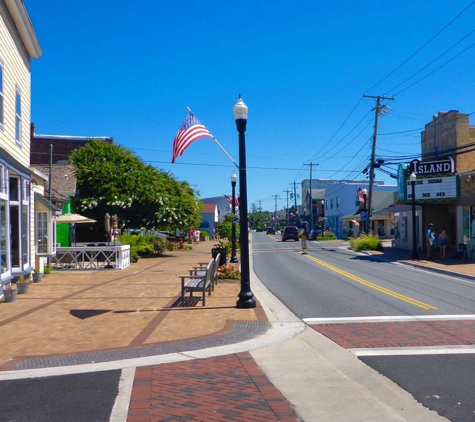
x: 10, y: 295
x: 37, y: 277
x: 23, y: 288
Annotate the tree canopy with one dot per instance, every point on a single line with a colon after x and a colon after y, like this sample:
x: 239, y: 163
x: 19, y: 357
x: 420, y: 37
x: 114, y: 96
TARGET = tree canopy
x: 111, y: 179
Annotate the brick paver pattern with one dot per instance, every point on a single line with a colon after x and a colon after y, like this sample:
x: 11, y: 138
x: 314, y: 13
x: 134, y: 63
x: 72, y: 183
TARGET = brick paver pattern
x: 399, y: 334
x: 224, y: 388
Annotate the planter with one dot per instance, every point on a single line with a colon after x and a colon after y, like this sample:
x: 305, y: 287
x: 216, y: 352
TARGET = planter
x: 23, y: 288
x: 10, y: 295
x: 37, y: 277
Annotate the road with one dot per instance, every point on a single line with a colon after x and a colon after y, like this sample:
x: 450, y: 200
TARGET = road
x: 414, y: 326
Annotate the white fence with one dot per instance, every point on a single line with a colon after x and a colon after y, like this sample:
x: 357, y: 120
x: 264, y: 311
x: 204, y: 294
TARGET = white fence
x: 91, y: 257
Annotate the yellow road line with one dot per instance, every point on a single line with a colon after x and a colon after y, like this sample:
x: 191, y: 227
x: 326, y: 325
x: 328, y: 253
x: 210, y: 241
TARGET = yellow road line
x: 374, y: 286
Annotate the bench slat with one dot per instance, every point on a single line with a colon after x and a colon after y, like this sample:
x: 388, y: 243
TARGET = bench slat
x: 198, y: 283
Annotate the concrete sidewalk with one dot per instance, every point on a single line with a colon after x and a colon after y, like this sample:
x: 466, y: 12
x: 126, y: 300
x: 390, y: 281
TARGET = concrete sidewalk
x: 233, y: 364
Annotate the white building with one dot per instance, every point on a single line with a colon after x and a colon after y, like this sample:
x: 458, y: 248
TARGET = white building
x: 18, y: 221
x: 341, y: 200
x: 222, y: 204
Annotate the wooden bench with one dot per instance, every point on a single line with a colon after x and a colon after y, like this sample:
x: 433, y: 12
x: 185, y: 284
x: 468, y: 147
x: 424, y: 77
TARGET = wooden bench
x: 198, y: 283
x: 200, y: 270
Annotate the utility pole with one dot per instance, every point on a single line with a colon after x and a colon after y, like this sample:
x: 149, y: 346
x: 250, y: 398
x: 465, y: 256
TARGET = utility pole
x: 276, y: 197
x: 295, y: 199
x: 253, y: 208
x: 259, y: 210
x: 50, y: 171
x: 378, y: 109
x: 295, y: 194
x: 287, y: 209
x: 311, y: 206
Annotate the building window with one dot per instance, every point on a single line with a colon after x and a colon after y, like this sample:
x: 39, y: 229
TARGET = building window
x: 338, y: 202
x: 331, y: 203
x: 3, y: 180
x: 18, y: 117
x: 42, y: 232
x: 26, y: 190
x: 4, y: 250
x: 1, y: 95
x: 19, y: 224
x: 25, y: 232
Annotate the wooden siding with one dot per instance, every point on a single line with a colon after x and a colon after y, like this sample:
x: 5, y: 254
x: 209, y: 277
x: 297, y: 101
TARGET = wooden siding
x: 16, y: 74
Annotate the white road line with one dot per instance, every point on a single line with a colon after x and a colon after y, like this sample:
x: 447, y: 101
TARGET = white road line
x: 407, y: 351
x: 395, y: 318
x: 121, y: 405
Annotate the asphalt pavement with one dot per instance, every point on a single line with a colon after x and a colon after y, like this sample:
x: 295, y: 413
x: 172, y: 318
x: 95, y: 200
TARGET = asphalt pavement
x: 184, y: 361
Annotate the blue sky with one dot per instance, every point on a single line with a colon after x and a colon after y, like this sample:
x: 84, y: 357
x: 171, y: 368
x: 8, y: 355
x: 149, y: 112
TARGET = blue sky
x: 130, y: 69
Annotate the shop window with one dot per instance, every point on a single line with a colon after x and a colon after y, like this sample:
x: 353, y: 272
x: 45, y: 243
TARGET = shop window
x: 19, y: 224
x: 42, y: 232
x: 4, y: 251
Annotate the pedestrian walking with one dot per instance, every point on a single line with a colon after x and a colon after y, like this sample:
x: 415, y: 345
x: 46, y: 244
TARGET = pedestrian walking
x: 443, y: 243
x: 430, y: 240
x: 197, y: 235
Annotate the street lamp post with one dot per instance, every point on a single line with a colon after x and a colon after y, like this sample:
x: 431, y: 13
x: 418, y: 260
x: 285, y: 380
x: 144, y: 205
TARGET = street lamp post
x: 415, y: 253
x: 323, y: 216
x: 246, y: 297
x: 233, y: 227
x: 365, y: 220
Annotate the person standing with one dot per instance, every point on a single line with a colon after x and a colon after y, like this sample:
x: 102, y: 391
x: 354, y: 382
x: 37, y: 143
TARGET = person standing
x: 197, y: 235
x: 430, y: 240
x: 442, y: 243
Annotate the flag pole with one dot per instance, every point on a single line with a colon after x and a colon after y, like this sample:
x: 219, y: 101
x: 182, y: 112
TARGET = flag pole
x: 219, y: 145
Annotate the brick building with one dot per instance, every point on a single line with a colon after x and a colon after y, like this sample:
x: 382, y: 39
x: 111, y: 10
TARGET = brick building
x: 449, y: 201
x: 63, y: 145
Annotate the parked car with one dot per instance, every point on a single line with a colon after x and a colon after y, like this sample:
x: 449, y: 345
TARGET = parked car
x: 290, y: 232
x: 270, y: 230
x: 259, y: 229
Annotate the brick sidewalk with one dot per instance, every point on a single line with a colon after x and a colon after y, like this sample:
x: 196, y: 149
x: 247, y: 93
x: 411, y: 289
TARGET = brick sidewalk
x: 399, y: 334
x: 73, y: 312
x: 224, y: 388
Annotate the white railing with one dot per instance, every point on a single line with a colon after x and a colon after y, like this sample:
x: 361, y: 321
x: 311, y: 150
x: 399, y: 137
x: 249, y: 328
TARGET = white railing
x: 91, y: 257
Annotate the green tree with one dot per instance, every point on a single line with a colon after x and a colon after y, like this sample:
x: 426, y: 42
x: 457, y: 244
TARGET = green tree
x: 226, y: 226
x: 111, y: 179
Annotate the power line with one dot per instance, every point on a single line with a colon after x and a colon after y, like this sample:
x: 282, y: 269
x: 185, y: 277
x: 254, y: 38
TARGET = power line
x: 435, y: 70
x: 423, y: 46
x: 433, y: 61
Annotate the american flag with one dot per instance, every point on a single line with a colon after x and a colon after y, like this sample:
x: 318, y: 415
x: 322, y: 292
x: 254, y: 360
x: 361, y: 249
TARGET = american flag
x: 230, y: 200
x: 190, y: 131
x: 359, y: 193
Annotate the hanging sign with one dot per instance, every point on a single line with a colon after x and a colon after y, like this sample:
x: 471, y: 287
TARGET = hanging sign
x: 437, y: 188
x: 432, y: 168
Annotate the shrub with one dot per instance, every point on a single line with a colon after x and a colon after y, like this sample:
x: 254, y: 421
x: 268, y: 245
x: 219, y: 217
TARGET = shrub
x: 327, y: 236
x: 172, y: 246
x: 229, y: 271
x: 142, y: 245
x: 47, y: 270
x: 366, y: 242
